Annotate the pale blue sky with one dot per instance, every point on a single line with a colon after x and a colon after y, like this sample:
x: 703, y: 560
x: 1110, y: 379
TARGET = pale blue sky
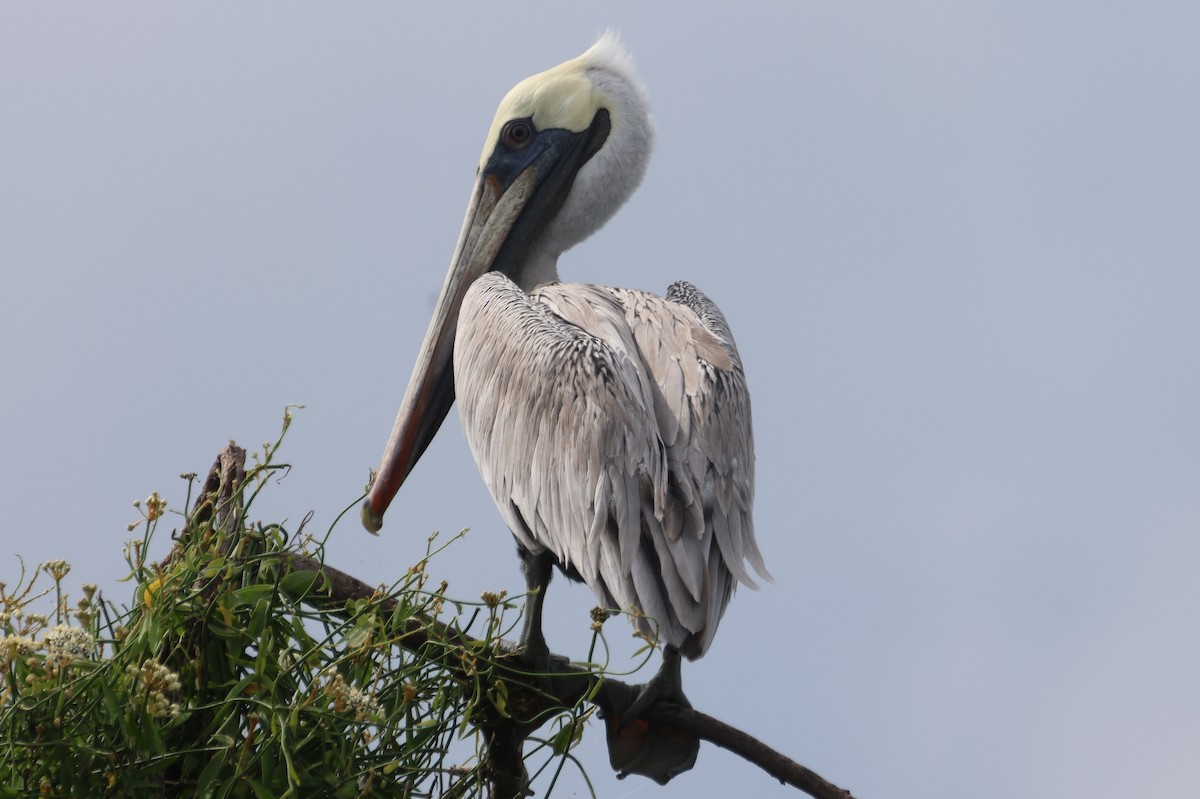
x: 959, y: 244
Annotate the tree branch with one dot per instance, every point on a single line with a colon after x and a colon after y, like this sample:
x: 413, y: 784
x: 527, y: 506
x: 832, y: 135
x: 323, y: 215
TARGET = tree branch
x: 537, y: 700
x: 723, y: 735
x: 571, y: 683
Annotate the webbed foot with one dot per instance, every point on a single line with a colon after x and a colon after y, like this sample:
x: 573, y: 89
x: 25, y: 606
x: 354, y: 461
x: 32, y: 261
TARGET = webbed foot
x: 639, y: 746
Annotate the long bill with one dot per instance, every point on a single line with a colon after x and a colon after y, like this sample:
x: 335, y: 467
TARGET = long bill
x: 492, y: 212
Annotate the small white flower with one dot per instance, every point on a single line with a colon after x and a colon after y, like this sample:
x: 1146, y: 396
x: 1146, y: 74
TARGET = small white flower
x: 67, y: 643
x: 13, y: 646
x: 158, y: 681
x: 57, y: 568
x: 347, y: 699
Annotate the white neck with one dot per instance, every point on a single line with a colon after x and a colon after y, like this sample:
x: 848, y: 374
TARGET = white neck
x: 604, y: 183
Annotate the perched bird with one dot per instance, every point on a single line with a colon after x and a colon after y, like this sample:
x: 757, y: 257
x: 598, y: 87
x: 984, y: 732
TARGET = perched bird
x: 612, y: 426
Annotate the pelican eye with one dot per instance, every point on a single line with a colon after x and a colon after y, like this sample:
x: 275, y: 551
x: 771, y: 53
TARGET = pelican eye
x: 517, y: 133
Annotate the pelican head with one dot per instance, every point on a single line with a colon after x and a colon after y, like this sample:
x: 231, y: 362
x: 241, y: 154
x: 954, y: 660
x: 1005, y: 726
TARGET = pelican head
x: 566, y: 149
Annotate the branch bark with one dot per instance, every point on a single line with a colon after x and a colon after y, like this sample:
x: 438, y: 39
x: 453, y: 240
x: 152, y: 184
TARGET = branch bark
x: 747, y: 746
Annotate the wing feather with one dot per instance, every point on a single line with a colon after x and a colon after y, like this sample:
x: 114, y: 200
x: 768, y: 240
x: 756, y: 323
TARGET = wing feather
x: 613, y: 429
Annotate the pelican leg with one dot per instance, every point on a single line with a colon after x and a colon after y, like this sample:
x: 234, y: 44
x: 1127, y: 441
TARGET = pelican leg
x: 538, y: 568
x: 667, y: 685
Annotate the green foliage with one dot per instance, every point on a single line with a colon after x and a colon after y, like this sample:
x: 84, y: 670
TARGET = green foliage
x: 231, y: 675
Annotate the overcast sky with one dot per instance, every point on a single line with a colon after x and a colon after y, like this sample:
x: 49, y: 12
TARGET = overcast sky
x: 958, y: 243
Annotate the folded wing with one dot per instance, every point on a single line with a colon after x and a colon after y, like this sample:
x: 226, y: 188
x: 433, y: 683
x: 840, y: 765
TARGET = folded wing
x: 612, y: 428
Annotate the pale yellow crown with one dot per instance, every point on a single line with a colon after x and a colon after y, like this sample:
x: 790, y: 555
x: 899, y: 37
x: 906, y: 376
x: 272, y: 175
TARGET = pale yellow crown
x: 564, y: 97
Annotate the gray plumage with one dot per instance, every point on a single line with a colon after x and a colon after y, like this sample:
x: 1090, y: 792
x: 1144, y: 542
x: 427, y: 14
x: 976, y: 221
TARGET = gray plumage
x: 612, y: 428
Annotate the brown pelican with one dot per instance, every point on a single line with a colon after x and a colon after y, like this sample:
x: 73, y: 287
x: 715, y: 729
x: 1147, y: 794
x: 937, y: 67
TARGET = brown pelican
x: 611, y: 426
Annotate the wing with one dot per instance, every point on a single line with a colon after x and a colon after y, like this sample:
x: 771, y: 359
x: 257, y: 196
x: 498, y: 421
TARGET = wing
x: 590, y: 413
x: 718, y: 455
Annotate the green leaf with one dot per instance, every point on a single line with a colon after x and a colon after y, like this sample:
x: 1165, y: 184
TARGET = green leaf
x: 498, y: 696
x: 249, y: 595
x: 208, y: 777
x: 259, y: 617
x: 260, y: 791
x: 358, y: 635
x: 563, y: 739
x: 299, y: 584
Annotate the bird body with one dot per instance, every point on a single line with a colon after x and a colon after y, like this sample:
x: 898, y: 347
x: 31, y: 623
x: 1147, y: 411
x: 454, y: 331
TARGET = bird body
x: 611, y: 426
x: 613, y: 430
